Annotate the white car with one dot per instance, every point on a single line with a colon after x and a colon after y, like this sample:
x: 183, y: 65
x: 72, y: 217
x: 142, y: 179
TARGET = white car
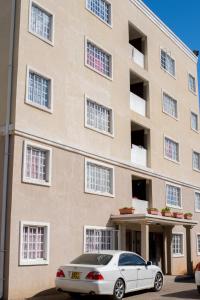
x: 197, y: 277
x: 108, y: 273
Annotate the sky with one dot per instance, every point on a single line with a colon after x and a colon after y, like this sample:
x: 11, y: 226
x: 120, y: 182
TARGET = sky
x: 182, y: 17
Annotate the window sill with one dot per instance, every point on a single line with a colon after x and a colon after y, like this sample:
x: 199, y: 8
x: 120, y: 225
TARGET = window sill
x: 172, y: 160
x: 40, y: 107
x: 196, y: 170
x: 33, y: 262
x: 99, y: 194
x: 104, y: 22
x: 111, y: 135
x: 178, y: 255
x: 49, y: 42
x: 36, y: 182
x: 175, y: 118
x: 195, y: 130
x: 98, y: 72
x: 173, y: 76
x: 174, y: 206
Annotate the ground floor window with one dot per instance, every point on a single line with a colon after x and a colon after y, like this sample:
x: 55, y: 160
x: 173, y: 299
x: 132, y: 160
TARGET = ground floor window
x: 177, y: 244
x: 34, y: 243
x: 198, y: 244
x: 99, y: 238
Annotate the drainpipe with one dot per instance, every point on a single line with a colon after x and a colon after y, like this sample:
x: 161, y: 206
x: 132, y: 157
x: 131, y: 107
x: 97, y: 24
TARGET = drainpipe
x: 6, y: 150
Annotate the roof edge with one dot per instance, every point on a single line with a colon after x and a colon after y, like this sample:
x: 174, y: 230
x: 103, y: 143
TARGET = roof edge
x: 157, y: 21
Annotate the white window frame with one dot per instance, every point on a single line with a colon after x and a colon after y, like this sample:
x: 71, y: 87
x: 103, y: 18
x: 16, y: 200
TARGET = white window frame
x: 197, y: 235
x: 51, y: 41
x: 189, y: 88
x: 195, y: 208
x: 173, y: 76
x: 180, y: 254
x: 104, y: 50
x: 168, y: 158
x: 49, y: 164
x: 163, y: 109
x: 48, y: 109
x: 96, y: 162
x: 110, y: 134
x: 93, y: 13
x: 26, y: 262
x: 97, y: 228
x: 196, y: 130
x: 171, y: 205
x: 193, y: 150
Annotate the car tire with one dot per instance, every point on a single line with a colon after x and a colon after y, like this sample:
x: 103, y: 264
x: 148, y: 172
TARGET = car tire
x: 119, y: 290
x: 198, y: 288
x: 158, y: 282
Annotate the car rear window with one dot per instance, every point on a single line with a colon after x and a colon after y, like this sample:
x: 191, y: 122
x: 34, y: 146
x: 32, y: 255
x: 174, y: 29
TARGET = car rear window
x: 92, y: 259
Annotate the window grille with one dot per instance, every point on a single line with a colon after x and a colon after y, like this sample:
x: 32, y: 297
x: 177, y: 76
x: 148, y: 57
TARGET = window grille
x: 100, y: 8
x: 167, y: 62
x: 192, y: 83
x: 38, y: 89
x: 194, y: 121
x: 197, y: 202
x: 170, y: 105
x: 100, y: 239
x: 99, y: 117
x: 198, y: 243
x: 173, y: 195
x: 98, y: 59
x: 41, y: 22
x: 196, y: 160
x: 177, y: 244
x: 36, y: 163
x: 171, y: 149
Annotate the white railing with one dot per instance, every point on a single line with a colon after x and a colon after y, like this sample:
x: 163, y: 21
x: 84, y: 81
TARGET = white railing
x: 137, y: 104
x: 139, y: 155
x: 137, y: 56
x: 140, y: 206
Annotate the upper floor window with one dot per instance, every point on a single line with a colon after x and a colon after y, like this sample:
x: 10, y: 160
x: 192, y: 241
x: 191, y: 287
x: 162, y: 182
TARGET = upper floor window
x: 194, y: 121
x: 41, y: 22
x: 37, y: 164
x: 34, y: 243
x: 99, y: 179
x: 196, y: 160
x: 101, y: 9
x: 167, y: 62
x: 99, y: 60
x: 197, y: 201
x: 39, y: 90
x: 173, y: 195
x: 169, y: 105
x: 192, y: 83
x: 177, y: 244
x: 171, y: 149
x: 99, y: 117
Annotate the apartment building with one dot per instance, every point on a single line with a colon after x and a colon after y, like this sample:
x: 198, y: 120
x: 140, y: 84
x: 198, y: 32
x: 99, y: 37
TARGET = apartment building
x: 98, y: 111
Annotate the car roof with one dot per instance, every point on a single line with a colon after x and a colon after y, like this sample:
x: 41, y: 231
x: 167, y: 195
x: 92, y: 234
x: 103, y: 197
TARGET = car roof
x: 111, y: 252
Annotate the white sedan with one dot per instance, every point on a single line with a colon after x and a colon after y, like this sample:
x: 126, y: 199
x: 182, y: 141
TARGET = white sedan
x: 197, y: 276
x: 108, y: 273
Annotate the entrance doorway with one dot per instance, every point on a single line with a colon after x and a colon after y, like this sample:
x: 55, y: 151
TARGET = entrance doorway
x: 133, y: 241
x: 156, y: 248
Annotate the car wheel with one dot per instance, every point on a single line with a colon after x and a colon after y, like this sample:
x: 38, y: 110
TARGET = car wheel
x: 119, y: 290
x: 198, y: 288
x: 158, y: 282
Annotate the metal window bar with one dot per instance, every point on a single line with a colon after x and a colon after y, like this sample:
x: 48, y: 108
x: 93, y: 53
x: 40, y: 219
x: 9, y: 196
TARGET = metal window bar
x: 41, y: 22
x: 38, y: 89
x: 33, y: 245
x: 171, y: 149
x: 36, y: 163
x: 101, y: 8
x: 170, y: 105
x: 194, y: 121
x: 99, y: 179
x: 100, y: 239
x: 98, y: 116
x: 196, y: 160
x: 173, y: 195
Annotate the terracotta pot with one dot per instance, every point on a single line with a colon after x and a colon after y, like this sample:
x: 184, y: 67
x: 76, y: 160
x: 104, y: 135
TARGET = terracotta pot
x: 188, y: 217
x: 166, y: 214
x: 126, y: 211
x: 152, y: 212
x: 178, y: 215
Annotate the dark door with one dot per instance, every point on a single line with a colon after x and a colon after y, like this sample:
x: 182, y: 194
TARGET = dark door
x: 156, y: 248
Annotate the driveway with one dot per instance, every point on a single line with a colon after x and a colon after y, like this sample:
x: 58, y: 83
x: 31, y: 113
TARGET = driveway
x: 172, y: 290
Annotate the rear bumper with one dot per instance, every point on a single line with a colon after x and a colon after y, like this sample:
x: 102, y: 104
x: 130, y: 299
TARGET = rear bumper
x: 197, y: 277
x: 85, y: 287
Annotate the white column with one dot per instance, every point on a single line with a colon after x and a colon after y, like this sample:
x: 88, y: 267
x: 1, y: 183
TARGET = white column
x: 145, y: 241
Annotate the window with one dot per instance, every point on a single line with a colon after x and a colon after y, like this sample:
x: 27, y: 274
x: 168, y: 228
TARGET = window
x: 198, y: 244
x: 194, y: 121
x: 173, y: 196
x: 101, y: 9
x: 97, y: 239
x: 99, y: 179
x: 169, y: 105
x: 196, y: 160
x: 99, y: 117
x: 99, y: 60
x: 34, y: 243
x: 39, y: 91
x: 127, y: 259
x: 171, y: 150
x: 192, y: 83
x: 197, y: 201
x: 37, y: 164
x: 177, y: 244
x: 41, y: 22
x: 167, y: 63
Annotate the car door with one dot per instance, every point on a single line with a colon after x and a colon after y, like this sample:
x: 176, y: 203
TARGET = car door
x: 144, y: 272
x: 128, y: 271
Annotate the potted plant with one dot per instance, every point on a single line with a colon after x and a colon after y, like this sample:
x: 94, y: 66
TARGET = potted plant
x: 126, y: 210
x: 178, y: 215
x: 166, y: 212
x: 152, y: 211
x: 188, y: 215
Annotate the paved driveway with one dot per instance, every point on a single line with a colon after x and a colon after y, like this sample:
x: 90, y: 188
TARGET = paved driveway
x: 171, y: 291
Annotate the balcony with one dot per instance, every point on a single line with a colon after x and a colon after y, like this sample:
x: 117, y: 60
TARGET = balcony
x: 140, y: 205
x: 141, y: 194
x: 137, y: 56
x: 139, y: 155
x: 137, y: 104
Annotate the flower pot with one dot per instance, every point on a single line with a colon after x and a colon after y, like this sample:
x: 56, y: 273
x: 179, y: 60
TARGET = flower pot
x: 178, y: 215
x: 188, y: 217
x: 166, y: 213
x: 152, y: 211
x: 126, y: 210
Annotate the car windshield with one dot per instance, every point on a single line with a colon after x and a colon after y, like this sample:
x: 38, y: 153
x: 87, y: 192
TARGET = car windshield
x: 92, y: 259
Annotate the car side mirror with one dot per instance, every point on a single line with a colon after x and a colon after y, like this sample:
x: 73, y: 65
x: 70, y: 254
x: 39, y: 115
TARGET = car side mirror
x: 149, y: 263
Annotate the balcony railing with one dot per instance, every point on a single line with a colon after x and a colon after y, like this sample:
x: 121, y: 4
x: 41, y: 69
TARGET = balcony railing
x: 139, y: 155
x: 137, y: 56
x: 140, y: 205
x: 137, y: 104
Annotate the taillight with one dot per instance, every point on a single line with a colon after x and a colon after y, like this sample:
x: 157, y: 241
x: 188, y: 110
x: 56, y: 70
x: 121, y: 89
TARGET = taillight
x: 94, y: 276
x: 60, y: 273
x: 197, y: 267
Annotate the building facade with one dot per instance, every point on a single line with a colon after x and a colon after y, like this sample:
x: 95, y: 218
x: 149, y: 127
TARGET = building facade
x: 99, y: 111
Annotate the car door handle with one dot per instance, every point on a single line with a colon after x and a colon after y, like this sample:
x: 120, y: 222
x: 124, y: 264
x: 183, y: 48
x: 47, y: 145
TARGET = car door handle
x: 122, y: 270
x: 139, y: 269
